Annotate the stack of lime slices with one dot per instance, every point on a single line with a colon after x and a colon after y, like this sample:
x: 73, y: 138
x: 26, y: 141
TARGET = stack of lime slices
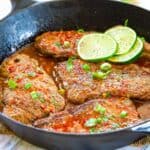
x: 119, y: 44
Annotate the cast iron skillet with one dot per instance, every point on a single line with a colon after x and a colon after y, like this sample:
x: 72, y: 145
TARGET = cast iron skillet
x: 20, y: 29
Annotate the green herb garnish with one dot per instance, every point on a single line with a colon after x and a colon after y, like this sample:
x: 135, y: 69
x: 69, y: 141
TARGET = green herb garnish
x: 28, y: 86
x: 105, y: 67
x: 35, y: 95
x: 102, y: 110
x: 86, y: 67
x: 70, y: 63
x: 97, y: 107
x: 99, y: 120
x: 108, y: 72
x: 99, y: 75
x: 123, y: 114
x: 31, y: 74
x: 92, y: 130
x: 12, y: 84
x: 105, y: 119
x: 91, y: 122
x: 115, y: 125
x: 126, y: 22
x: 106, y: 94
x: 143, y: 39
x: 80, y: 30
x: 58, y: 44
x: 66, y: 44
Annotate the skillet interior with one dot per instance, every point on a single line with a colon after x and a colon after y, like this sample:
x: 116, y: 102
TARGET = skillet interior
x: 20, y: 29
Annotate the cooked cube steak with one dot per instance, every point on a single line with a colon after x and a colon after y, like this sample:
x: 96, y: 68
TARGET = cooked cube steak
x: 109, y: 113
x: 64, y: 43
x: 144, y: 110
x: 58, y: 44
x: 29, y: 92
x: 124, y: 80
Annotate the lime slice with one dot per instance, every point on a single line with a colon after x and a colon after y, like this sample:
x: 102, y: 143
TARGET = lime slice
x: 132, y: 55
x: 96, y: 46
x: 124, y: 36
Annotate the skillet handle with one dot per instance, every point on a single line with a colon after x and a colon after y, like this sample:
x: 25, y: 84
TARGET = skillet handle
x: 143, y: 128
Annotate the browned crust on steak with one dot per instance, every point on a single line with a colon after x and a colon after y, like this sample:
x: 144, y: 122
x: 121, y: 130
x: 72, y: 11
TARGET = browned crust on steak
x: 72, y: 120
x: 52, y: 43
x: 19, y: 103
x: 124, y: 80
x: 144, y: 110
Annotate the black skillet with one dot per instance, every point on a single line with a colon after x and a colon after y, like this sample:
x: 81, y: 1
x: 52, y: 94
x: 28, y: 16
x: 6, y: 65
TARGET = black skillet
x: 21, y: 28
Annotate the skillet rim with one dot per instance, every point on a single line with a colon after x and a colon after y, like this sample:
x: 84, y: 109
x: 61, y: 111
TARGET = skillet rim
x: 53, y: 1
x: 72, y: 133
x: 17, y: 123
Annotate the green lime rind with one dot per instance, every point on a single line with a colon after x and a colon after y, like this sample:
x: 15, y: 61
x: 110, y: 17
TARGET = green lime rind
x: 95, y: 47
x: 131, y: 56
x: 124, y: 36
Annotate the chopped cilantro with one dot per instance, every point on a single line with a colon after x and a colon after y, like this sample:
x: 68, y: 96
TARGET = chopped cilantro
x: 105, y: 67
x: 99, y: 120
x: 106, y: 94
x: 37, y: 96
x: 80, y: 30
x: 105, y: 119
x: 92, y: 130
x: 115, y: 125
x: 123, y: 114
x: 126, y: 22
x: 31, y: 74
x: 86, y: 67
x: 143, y: 39
x: 28, y: 86
x: 12, y: 84
x: 91, y: 122
x: 58, y: 44
x: 100, y: 109
x: 70, y: 63
x: 99, y: 75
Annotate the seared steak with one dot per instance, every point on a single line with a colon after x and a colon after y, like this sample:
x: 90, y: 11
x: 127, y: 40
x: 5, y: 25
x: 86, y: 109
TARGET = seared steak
x: 58, y: 44
x: 124, y: 80
x: 64, y: 43
x: 29, y: 92
x: 76, y: 120
x: 144, y: 110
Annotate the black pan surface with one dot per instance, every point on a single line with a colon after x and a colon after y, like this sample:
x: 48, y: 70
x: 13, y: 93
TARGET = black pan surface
x: 21, y: 28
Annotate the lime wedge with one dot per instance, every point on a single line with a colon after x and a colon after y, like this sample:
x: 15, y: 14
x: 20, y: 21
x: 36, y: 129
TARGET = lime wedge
x: 124, y: 36
x: 132, y: 55
x: 96, y: 46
